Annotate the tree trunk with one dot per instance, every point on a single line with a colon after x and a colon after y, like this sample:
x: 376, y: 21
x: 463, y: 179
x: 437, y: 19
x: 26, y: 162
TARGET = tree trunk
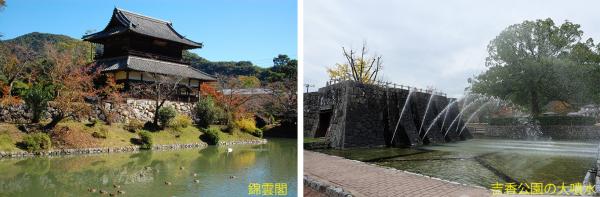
x: 10, y: 86
x: 535, y: 108
x: 36, y: 115
x: 155, y: 120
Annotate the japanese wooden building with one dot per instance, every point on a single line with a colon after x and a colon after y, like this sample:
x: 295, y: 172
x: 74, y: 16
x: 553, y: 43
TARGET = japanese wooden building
x: 139, y: 49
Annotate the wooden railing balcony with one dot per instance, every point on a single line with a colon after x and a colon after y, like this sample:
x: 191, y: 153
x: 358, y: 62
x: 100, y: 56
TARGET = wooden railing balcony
x: 99, y: 56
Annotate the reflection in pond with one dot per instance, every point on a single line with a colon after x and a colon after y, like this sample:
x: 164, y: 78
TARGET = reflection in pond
x: 486, y: 161
x: 218, y: 172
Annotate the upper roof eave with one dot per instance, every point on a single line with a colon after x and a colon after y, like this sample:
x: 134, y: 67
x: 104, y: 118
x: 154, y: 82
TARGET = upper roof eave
x: 120, y: 17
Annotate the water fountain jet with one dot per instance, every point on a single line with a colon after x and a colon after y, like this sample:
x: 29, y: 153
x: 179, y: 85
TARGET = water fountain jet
x: 410, y: 92
x: 426, y: 110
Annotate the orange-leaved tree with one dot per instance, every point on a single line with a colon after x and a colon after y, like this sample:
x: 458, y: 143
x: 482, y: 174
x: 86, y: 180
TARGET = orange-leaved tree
x: 109, y: 91
x: 74, y: 84
x: 233, y: 96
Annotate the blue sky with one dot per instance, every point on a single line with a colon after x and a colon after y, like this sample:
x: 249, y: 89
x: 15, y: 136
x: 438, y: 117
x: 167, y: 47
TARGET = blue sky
x: 230, y: 30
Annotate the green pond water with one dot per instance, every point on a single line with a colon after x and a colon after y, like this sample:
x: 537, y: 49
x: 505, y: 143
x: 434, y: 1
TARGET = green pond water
x: 145, y: 173
x: 486, y: 161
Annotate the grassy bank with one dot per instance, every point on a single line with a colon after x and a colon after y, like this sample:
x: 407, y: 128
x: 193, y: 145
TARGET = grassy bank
x: 99, y: 135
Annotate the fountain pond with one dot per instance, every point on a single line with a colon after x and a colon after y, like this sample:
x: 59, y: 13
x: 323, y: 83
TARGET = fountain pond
x: 483, y: 162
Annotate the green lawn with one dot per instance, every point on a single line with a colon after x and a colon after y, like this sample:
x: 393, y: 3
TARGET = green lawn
x: 188, y: 135
x: 116, y: 135
x: 9, y: 136
x: 311, y: 140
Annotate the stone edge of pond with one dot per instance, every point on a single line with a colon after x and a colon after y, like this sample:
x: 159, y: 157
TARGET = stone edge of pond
x: 413, y: 173
x: 242, y: 142
x: 124, y: 149
x: 87, y: 151
x: 325, y: 188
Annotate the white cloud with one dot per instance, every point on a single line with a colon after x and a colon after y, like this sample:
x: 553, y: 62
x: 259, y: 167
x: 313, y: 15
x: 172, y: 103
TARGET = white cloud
x: 424, y: 43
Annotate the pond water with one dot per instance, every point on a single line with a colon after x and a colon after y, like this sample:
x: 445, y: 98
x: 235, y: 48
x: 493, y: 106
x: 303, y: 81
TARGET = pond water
x: 486, y: 161
x: 144, y: 174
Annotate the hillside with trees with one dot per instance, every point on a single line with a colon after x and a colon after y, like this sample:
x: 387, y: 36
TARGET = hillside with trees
x: 36, y: 45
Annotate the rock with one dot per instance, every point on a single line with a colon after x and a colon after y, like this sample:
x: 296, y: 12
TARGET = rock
x: 167, y: 183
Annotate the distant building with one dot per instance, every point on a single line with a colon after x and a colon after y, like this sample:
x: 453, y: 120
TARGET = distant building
x: 136, y: 48
x: 248, y: 91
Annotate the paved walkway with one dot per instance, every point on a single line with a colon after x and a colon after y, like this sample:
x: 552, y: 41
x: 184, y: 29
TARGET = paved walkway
x: 363, y: 179
x: 310, y: 192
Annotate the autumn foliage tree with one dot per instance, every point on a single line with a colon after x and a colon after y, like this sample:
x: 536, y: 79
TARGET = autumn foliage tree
x: 361, y: 67
x: 14, y: 61
x: 109, y: 91
x: 232, y: 99
x: 73, y: 84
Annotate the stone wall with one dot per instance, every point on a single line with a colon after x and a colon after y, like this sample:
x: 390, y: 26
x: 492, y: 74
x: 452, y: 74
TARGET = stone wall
x: 311, y: 113
x: 365, y: 123
x: 566, y: 132
x: 143, y: 110
x: 334, y: 98
x: 140, y: 109
x: 368, y: 115
x: 14, y: 113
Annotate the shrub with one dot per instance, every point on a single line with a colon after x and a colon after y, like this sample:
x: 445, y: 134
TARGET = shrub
x: 207, y: 112
x: 146, y: 140
x: 102, y: 133
x: 36, y: 142
x: 258, y: 133
x: 211, y: 135
x: 134, y: 125
x: 36, y: 98
x: 566, y: 120
x: 231, y: 128
x: 248, y: 125
x: 180, y: 121
x: 165, y: 115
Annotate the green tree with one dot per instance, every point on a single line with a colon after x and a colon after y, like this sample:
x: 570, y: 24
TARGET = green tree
x: 249, y: 81
x: 528, y: 62
x: 36, y: 98
x: 207, y: 112
x: 281, y: 60
x: 283, y: 68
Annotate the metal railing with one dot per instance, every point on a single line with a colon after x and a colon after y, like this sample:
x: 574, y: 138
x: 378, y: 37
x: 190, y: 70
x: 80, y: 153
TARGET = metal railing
x: 386, y: 84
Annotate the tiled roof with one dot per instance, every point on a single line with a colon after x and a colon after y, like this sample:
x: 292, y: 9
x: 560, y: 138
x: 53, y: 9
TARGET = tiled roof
x: 152, y: 66
x: 123, y: 21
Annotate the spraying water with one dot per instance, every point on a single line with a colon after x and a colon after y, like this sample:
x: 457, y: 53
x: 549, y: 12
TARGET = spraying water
x: 446, y: 115
x: 410, y: 92
x: 473, y: 115
x: 460, y: 114
x: 436, y: 119
x: 426, y: 110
